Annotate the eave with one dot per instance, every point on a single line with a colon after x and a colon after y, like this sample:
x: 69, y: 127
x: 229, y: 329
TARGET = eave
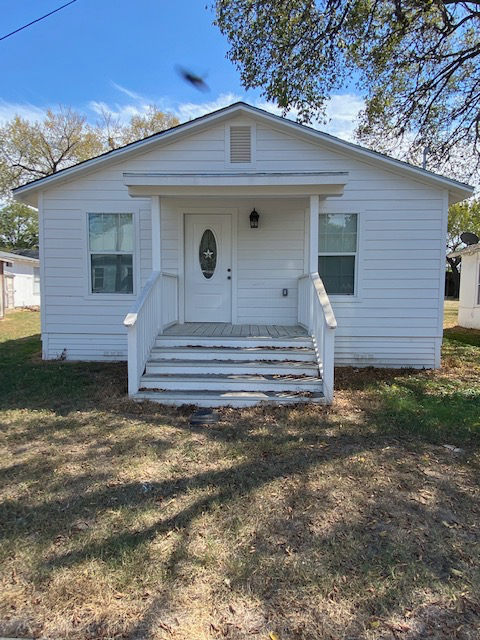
x: 457, y: 190
x: 324, y: 183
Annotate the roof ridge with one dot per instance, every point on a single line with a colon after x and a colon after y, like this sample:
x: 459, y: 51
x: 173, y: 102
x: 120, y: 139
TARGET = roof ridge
x: 263, y: 113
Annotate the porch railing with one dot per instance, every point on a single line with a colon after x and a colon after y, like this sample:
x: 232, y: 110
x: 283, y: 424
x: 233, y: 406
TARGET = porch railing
x: 170, y: 299
x: 315, y: 312
x: 156, y: 308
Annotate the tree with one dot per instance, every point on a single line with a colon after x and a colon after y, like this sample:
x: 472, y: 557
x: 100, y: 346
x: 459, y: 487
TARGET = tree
x: 114, y: 134
x: 464, y: 216
x: 416, y: 61
x: 142, y: 126
x: 31, y: 150
x: 18, y: 227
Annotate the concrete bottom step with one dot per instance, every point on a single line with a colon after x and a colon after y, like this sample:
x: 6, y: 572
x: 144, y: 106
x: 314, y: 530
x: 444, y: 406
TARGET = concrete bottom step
x: 228, y: 398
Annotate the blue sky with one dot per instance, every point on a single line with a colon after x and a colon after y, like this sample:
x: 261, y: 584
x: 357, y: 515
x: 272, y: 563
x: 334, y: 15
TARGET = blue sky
x: 122, y: 55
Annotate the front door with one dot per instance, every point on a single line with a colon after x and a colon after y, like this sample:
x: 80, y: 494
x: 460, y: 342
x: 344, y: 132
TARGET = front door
x: 208, y: 268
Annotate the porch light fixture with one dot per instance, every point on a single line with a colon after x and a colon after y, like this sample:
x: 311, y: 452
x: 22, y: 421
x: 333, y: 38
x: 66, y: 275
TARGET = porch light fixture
x: 254, y: 217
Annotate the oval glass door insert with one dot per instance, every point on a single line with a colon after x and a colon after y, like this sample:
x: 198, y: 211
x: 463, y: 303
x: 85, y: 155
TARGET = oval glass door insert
x: 208, y: 253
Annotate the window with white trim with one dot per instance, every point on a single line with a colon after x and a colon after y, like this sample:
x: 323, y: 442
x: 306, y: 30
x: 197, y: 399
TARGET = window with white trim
x: 337, y: 252
x: 478, y: 290
x: 36, y: 280
x: 110, y: 246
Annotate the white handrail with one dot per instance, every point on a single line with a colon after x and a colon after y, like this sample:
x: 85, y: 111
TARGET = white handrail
x: 155, y: 307
x: 132, y: 315
x: 170, y: 299
x: 316, y: 313
x: 324, y: 301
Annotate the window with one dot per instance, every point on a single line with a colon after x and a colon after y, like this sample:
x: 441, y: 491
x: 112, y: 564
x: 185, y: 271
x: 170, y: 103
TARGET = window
x: 110, y: 242
x: 337, y: 252
x: 478, y: 291
x: 36, y: 280
x: 208, y: 253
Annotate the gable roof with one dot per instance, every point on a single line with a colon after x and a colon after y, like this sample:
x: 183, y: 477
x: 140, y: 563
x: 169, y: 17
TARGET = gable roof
x: 469, y: 250
x: 8, y: 256
x: 458, y: 190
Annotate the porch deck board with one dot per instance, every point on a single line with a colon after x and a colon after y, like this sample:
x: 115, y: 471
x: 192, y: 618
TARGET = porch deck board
x: 216, y: 329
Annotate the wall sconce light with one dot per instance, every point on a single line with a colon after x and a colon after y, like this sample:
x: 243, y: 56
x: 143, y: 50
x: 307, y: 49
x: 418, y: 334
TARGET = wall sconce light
x: 254, y: 217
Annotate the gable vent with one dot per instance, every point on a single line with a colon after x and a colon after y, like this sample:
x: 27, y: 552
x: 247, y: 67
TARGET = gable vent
x: 240, y: 144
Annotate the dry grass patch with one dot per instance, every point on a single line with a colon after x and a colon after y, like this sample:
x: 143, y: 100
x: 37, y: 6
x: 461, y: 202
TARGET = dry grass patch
x: 353, y: 521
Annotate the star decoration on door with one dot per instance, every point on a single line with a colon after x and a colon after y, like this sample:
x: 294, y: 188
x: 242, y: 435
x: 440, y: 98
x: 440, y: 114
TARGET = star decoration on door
x: 208, y: 254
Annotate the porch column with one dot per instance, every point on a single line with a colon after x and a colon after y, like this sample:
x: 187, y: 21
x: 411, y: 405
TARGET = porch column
x: 156, y: 234
x: 313, y: 234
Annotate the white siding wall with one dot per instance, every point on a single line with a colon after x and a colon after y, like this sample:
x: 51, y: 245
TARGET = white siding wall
x: 395, y: 319
x: 24, y: 294
x: 469, y: 309
x: 269, y: 259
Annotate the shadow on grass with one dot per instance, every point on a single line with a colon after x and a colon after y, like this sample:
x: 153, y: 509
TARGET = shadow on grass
x: 309, y: 511
x: 286, y: 540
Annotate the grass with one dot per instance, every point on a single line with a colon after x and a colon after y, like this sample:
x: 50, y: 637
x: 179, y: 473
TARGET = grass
x: 353, y: 521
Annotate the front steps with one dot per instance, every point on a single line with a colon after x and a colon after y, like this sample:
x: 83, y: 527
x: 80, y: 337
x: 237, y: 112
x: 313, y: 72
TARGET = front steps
x: 231, y: 371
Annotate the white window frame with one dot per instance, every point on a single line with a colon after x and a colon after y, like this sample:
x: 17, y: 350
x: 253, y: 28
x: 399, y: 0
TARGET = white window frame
x: 241, y: 122
x: 477, y: 304
x: 327, y: 207
x: 36, y: 281
x: 112, y: 209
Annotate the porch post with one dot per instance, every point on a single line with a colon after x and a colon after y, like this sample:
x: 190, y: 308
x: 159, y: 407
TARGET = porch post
x: 157, y: 253
x: 156, y: 234
x: 313, y: 234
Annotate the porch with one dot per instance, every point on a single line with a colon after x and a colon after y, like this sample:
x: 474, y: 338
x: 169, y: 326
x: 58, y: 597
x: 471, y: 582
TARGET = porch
x: 225, y: 290
x: 215, y: 364
x: 227, y: 330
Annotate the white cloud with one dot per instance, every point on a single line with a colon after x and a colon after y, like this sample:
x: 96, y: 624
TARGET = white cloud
x: 28, y: 111
x: 122, y: 112
x: 191, y: 110
x: 127, y: 92
x: 139, y: 105
x: 342, y: 112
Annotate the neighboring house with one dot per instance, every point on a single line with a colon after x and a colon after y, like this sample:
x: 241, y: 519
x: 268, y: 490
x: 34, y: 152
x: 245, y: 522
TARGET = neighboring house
x: 469, y: 304
x: 21, y: 279
x: 2, y: 287
x: 162, y: 237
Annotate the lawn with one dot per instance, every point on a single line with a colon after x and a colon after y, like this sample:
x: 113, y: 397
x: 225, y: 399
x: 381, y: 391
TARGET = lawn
x: 302, y: 523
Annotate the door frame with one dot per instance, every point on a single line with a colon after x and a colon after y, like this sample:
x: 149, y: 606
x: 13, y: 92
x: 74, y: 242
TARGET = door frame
x: 181, y: 213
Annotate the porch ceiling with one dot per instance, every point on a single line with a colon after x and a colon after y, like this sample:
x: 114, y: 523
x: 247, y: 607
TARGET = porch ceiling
x: 305, y: 183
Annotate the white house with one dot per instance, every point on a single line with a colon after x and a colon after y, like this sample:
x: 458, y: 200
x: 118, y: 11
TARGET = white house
x: 152, y: 252
x: 21, y: 280
x: 469, y: 304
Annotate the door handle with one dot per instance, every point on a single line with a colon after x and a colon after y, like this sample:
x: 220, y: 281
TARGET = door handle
x: 229, y: 277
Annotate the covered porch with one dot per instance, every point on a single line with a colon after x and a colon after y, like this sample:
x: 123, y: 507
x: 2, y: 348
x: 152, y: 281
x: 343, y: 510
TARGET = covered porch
x: 261, y: 282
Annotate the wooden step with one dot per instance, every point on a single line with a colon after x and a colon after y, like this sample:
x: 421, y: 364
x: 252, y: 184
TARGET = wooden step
x: 229, y: 353
x: 228, y: 398
x: 226, y: 367
x: 233, y: 382
x: 232, y: 341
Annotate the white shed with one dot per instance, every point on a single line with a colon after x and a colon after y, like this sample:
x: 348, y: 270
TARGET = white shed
x: 153, y: 253
x: 469, y: 304
x: 21, y: 279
